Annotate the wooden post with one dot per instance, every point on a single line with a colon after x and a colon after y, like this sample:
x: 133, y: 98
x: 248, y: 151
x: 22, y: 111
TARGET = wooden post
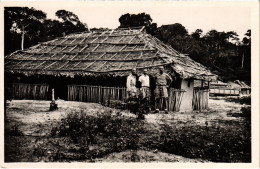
x: 22, y: 42
x: 52, y: 96
x: 242, y: 65
x: 53, y: 105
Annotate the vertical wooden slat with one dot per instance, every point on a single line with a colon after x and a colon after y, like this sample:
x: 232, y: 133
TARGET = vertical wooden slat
x: 96, y: 94
x: 200, y: 99
x: 28, y: 91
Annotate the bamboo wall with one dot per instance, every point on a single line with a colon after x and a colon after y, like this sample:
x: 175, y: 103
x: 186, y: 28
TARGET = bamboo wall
x: 100, y: 94
x: 95, y: 94
x: 200, y: 99
x: 175, y: 99
x: 28, y: 91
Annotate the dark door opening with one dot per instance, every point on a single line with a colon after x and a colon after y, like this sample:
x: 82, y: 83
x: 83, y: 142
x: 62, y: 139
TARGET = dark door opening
x: 60, y: 88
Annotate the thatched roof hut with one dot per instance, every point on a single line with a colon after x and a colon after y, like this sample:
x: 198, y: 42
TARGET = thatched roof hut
x: 105, y: 53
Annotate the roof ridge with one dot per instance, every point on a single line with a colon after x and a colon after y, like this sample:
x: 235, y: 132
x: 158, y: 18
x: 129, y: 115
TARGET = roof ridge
x: 141, y: 28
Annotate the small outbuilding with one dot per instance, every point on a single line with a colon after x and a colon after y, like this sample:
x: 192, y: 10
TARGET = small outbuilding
x: 93, y: 66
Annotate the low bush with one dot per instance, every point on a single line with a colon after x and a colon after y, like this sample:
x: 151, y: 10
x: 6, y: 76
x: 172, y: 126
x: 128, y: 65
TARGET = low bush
x: 214, y: 143
x: 245, y: 100
x: 240, y: 99
x: 13, y: 131
x: 112, y: 133
x: 246, y: 112
x: 109, y: 133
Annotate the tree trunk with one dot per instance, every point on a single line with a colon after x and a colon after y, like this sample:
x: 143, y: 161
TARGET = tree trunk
x: 218, y: 50
x: 243, y: 57
x: 237, y: 50
x: 22, y: 43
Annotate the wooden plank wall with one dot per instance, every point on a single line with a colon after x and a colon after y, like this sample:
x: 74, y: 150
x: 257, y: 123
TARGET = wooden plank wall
x: 100, y: 94
x: 95, y: 94
x: 28, y: 91
x: 175, y: 99
x: 225, y: 91
x: 200, y: 99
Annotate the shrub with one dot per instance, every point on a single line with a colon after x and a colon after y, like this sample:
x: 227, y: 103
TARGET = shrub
x: 76, y: 125
x: 216, y: 143
x: 13, y: 131
x: 112, y: 133
x: 246, y: 112
x: 105, y: 133
x: 245, y: 100
x: 241, y: 99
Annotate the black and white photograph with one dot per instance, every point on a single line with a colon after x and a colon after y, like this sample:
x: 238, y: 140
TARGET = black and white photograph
x: 130, y: 82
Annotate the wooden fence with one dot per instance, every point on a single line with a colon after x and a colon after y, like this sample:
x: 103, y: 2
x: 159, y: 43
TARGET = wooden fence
x: 200, y: 99
x: 100, y: 94
x: 225, y: 91
x: 175, y: 99
x: 28, y: 91
x: 95, y: 94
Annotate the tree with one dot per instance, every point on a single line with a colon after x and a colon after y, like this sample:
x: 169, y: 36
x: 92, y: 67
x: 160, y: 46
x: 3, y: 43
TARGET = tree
x: 138, y: 20
x: 247, y: 39
x: 70, y: 22
x: 232, y: 36
x: 167, y: 32
x: 218, y: 42
x: 24, y: 27
x: 197, y: 34
x: 24, y: 22
x: 248, y: 33
x: 246, y: 56
x: 51, y: 30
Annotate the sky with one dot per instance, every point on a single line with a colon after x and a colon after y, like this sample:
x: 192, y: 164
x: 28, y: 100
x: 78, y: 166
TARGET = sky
x: 205, y: 16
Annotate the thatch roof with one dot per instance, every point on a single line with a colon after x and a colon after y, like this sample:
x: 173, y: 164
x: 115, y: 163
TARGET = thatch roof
x: 103, y: 52
x: 238, y: 85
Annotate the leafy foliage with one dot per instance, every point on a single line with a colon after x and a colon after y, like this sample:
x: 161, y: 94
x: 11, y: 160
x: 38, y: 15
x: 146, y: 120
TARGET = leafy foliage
x: 167, y: 32
x: 216, y: 144
x: 241, y: 99
x: 120, y: 133
x: 20, y: 19
x: 36, y: 27
x: 246, y: 112
x: 220, y: 51
x: 13, y: 130
x: 70, y: 22
x: 137, y: 20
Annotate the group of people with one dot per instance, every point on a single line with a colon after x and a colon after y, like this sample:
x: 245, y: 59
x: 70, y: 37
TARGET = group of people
x: 162, y: 79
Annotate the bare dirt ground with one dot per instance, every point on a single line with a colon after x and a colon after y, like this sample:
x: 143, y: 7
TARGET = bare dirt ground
x: 34, y: 120
x: 34, y: 112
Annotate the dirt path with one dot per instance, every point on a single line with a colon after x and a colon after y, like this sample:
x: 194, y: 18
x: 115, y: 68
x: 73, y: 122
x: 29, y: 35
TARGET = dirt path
x: 147, y: 156
x: 218, y: 110
x: 34, y: 115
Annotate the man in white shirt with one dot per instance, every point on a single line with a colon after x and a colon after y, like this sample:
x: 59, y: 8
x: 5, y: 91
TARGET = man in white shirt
x: 145, y: 85
x: 131, y: 84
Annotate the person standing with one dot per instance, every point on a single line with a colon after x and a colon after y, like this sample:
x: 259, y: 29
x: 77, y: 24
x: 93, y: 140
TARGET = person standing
x: 131, y: 84
x: 161, y: 91
x: 145, y: 85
